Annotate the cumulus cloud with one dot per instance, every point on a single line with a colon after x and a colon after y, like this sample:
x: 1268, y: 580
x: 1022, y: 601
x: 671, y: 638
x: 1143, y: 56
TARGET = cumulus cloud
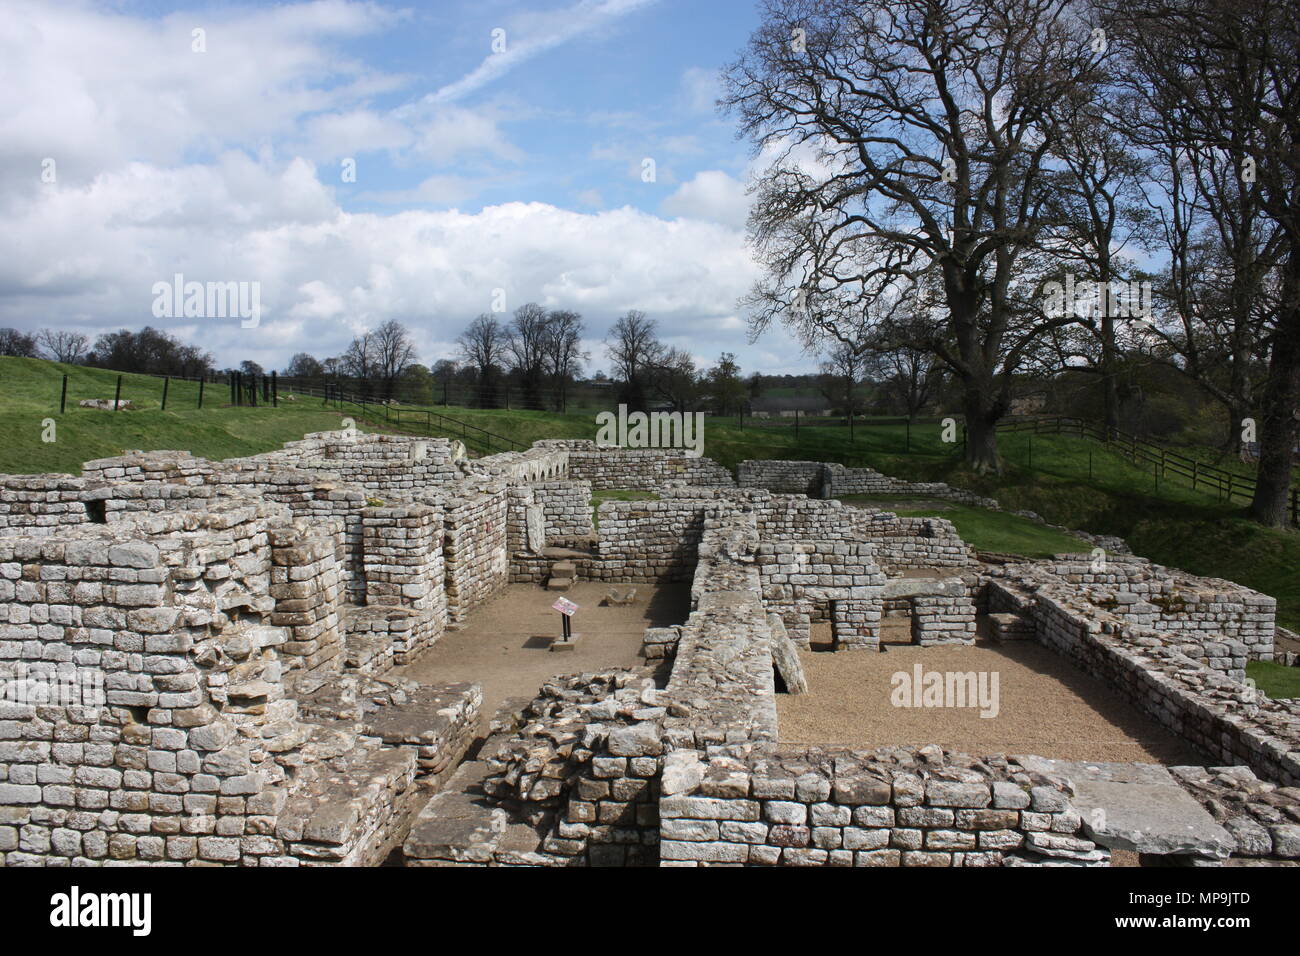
x: 222, y: 167
x: 711, y: 196
x: 95, y: 253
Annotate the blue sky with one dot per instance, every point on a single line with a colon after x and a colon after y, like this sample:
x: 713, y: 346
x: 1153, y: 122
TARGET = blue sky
x: 516, y: 173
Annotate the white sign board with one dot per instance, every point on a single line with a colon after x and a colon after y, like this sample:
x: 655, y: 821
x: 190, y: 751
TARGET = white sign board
x: 565, y: 607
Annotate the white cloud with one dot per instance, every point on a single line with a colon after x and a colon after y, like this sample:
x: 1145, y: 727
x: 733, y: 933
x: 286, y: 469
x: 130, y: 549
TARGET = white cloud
x: 529, y: 34
x: 95, y: 253
x: 711, y: 196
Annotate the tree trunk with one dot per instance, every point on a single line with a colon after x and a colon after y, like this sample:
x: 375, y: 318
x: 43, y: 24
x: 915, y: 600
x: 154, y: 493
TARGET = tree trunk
x: 1109, y: 384
x: 981, y: 430
x: 1281, y: 399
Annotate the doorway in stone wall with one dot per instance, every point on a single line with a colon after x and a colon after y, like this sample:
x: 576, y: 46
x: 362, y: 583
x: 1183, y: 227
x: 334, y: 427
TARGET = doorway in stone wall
x: 896, y: 622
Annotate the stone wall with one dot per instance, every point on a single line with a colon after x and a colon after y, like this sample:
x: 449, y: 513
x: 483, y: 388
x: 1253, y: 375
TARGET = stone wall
x: 649, y: 540
x: 643, y: 469
x: 566, y: 507
x: 1209, y: 707
x: 751, y: 806
x: 475, y: 543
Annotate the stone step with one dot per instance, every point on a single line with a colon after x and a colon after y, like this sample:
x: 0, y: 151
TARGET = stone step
x: 1138, y: 807
x: 560, y: 554
x: 459, y: 825
x: 1010, y: 627
x: 354, y: 810
x: 564, y: 569
x: 558, y: 584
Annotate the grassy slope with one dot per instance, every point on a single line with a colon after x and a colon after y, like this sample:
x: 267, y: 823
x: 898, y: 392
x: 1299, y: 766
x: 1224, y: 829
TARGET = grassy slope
x: 29, y: 394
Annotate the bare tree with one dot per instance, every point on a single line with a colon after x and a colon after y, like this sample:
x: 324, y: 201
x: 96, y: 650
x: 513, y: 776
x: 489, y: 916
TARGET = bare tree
x: 64, y: 346
x: 359, y: 360
x: 393, y: 353
x: 14, y: 342
x: 1233, y: 68
x: 635, y: 351
x: 1101, y: 212
x: 913, y: 137
x: 564, y: 355
x: 483, y: 348
x: 841, y: 373
x: 525, y: 346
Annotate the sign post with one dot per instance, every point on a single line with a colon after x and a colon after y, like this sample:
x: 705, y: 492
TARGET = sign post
x: 567, y: 609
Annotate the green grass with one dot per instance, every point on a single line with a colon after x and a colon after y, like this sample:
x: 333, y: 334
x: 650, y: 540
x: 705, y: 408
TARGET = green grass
x: 1273, y: 679
x: 992, y: 530
x: 29, y: 398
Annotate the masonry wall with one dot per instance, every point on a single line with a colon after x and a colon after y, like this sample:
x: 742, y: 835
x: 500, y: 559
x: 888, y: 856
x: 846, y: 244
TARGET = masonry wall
x: 477, y: 564
x: 1228, y: 721
x: 743, y: 806
x: 566, y: 507
x: 636, y: 468
x: 649, y: 540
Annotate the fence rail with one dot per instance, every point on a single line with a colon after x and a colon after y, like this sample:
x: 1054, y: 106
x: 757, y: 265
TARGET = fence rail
x: 474, y: 437
x: 1227, y: 485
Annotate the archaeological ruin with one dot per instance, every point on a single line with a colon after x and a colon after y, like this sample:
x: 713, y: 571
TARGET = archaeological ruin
x: 238, y: 637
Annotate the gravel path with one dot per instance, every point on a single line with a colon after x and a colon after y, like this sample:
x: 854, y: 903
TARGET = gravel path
x: 1046, y: 707
x: 506, y: 645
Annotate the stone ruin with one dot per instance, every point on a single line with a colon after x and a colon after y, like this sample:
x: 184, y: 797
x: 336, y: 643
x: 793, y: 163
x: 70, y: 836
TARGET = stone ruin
x: 243, y: 617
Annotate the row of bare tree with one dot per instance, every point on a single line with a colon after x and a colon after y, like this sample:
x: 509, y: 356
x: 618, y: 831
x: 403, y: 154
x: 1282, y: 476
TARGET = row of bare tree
x: 936, y: 164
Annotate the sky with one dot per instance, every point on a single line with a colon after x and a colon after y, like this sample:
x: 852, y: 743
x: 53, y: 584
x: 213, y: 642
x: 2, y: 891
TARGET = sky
x: 361, y: 162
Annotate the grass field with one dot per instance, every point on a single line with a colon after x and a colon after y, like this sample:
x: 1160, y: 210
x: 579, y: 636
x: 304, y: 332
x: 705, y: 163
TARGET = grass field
x: 988, y: 530
x: 29, y: 400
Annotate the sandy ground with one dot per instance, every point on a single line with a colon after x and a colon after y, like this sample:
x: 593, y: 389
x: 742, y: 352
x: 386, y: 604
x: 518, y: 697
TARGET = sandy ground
x: 1046, y: 706
x: 505, y: 646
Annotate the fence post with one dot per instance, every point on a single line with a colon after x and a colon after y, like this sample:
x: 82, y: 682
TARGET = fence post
x: 275, y: 390
x: 166, y: 384
x: 1196, y: 467
x: 796, y: 424
x: 201, y: 381
x: 63, y: 396
x: 117, y: 395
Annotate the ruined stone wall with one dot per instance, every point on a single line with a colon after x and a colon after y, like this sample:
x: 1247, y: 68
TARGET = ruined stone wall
x: 404, y: 569
x: 566, y: 507
x: 649, y: 540
x: 904, y: 543
x: 807, y: 580
x: 1203, y: 609
x: 644, y: 469
x: 532, y: 465
x: 197, y: 638
x: 782, y: 477
x: 752, y: 806
x: 1209, y: 707
x: 42, y: 504
x: 477, y: 563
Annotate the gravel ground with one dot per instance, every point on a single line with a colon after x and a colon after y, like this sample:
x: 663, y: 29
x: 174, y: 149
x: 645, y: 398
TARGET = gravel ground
x: 506, y: 645
x: 1046, y: 707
